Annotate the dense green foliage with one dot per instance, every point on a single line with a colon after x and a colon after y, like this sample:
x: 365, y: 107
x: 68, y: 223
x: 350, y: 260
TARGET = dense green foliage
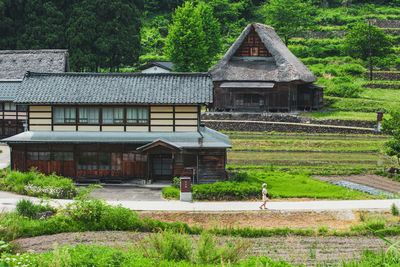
x: 29, y: 209
x: 357, y: 42
x: 193, y: 40
x: 391, y: 126
x: 97, y: 33
x: 170, y: 192
x: 98, y: 255
x: 39, y: 185
x: 290, y: 17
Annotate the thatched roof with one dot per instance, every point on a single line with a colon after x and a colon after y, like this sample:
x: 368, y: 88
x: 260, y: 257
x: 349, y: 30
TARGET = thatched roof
x: 282, y: 67
x: 15, y: 63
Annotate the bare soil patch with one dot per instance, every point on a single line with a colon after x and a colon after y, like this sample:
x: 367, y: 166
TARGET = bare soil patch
x: 334, y: 220
x: 372, y: 180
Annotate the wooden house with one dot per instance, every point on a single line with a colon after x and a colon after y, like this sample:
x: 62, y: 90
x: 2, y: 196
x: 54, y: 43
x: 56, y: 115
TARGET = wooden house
x: 259, y: 73
x: 13, y: 66
x: 118, y: 126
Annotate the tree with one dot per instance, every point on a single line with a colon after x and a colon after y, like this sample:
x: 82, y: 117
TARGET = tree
x: 356, y: 43
x: 44, y: 25
x: 193, y: 40
x: 118, y: 41
x: 103, y: 33
x: 290, y: 17
x: 391, y: 127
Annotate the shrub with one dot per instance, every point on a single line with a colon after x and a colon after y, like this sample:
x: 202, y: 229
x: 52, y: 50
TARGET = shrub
x: 171, y: 192
x: 27, y: 208
x: 240, y: 176
x: 352, y: 69
x: 225, y: 191
x: 395, y: 210
x: 375, y: 224
x: 39, y: 185
x: 176, y: 182
x: 347, y: 90
x: 167, y: 245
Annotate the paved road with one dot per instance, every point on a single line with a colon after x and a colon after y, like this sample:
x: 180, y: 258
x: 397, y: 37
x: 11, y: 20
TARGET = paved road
x: 125, y: 192
x: 9, y: 200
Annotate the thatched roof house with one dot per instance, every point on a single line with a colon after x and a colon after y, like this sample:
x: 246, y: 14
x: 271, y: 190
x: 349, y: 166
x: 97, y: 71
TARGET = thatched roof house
x: 259, y: 72
x: 15, y: 63
x: 13, y: 66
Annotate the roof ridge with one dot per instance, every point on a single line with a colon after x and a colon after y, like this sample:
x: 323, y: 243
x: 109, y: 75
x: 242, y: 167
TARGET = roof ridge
x: 37, y: 51
x: 111, y: 74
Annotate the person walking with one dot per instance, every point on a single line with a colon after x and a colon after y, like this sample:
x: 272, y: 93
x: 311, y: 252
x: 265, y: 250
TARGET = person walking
x: 264, y: 196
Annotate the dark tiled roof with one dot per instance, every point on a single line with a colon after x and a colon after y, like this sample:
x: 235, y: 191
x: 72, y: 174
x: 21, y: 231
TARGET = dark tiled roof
x: 15, y: 63
x: 116, y: 88
x: 168, y: 65
x: 211, y: 138
x: 284, y: 66
x: 8, y: 90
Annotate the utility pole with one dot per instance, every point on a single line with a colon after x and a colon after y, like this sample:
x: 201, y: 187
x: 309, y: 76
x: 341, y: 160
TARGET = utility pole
x: 370, y: 51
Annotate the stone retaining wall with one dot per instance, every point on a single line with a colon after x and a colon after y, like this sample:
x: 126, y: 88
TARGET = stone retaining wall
x: 385, y: 23
x: 253, y: 126
x: 283, y: 117
x: 381, y: 86
x: 385, y: 75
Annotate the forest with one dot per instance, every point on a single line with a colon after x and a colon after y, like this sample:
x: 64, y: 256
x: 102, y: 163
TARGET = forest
x: 120, y: 35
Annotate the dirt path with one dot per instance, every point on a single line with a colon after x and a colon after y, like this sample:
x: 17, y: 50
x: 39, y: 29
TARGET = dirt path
x: 295, y: 249
x: 334, y: 220
x: 372, y: 180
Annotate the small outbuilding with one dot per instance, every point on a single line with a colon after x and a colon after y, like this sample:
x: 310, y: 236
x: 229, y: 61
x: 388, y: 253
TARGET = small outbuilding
x: 259, y: 73
x: 158, y: 66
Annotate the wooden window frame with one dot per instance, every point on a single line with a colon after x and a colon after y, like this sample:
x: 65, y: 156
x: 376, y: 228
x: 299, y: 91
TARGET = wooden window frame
x: 87, y: 123
x: 64, y: 123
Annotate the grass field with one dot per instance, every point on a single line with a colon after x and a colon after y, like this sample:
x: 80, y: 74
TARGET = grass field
x: 381, y: 94
x: 342, y: 115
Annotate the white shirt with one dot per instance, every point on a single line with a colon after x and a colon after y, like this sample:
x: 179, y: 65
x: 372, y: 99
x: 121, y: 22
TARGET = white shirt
x: 264, y: 191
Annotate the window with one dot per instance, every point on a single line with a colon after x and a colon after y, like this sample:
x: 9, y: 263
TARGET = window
x: 64, y: 115
x: 42, y: 156
x: 254, y: 51
x: 87, y: 161
x: 113, y: 115
x: 89, y: 115
x: 104, y: 160
x: 251, y: 99
x: 63, y: 156
x: 32, y: 155
x: 9, y: 106
x: 116, y: 161
x: 137, y: 115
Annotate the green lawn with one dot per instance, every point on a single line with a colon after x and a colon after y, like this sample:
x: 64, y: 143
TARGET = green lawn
x: 381, y: 94
x: 361, y: 104
x: 286, y: 185
x: 258, y: 141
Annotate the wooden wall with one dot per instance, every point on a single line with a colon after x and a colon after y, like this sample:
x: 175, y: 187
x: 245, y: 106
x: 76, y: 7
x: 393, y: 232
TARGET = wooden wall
x: 161, y: 118
x: 283, y: 97
x: 208, y: 165
x: 252, y: 46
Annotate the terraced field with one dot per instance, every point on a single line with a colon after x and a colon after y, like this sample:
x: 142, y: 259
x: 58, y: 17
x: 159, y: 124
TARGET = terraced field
x: 296, y: 150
